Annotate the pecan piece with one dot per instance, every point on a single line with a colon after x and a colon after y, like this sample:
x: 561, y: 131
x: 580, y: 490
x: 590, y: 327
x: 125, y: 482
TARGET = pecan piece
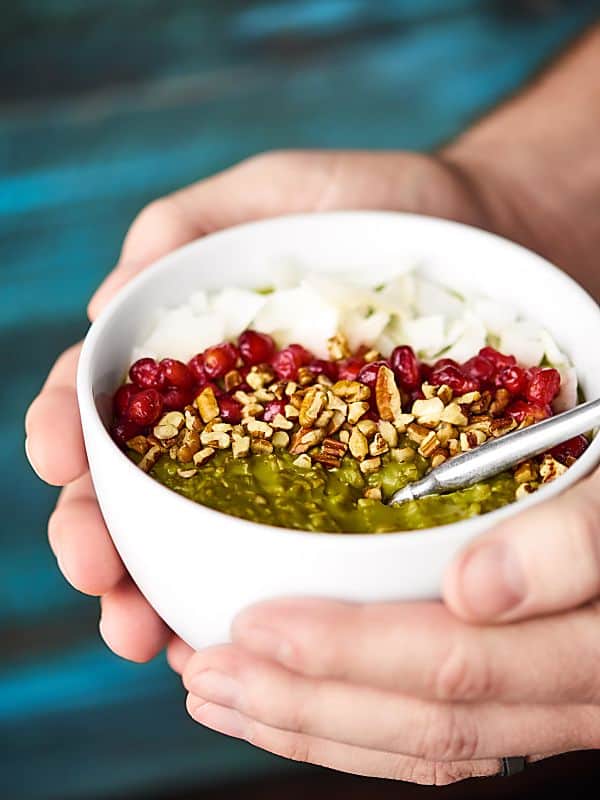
x: 387, y: 394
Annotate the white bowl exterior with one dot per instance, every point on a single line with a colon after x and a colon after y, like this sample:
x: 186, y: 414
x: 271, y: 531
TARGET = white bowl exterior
x: 199, y: 567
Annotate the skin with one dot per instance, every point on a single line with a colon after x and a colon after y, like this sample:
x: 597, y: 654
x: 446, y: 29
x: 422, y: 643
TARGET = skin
x: 507, y: 664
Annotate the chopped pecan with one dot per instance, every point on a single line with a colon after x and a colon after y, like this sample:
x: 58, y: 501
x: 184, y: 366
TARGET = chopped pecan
x: 280, y: 439
x: 550, y: 469
x: 313, y: 403
x: 501, y: 426
x: 524, y: 490
x: 454, y: 415
x: 370, y: 465
x: 281, y: 423
x: 303, y: 461
x: 240, y: 446
x: 232, y: 379
x: 368, y: 427
x: 187, y: 473
x: 338, y: 347
x: 428, y: 412
x: 190, y: 445
x: 500, y: 402
x: 373, y: 493
x: 378, y: 445
x: 207, y: 405
x: 351, y: 391
x: 203, y: 455
x: 150, y: 458
x: 356, y: 411
x: 387, y: 394
x: 525, y: 472
x: 336, y: 422
x: 305, y: 438
x: 402, y: 454
x: 389, y: 433
x: 262, y: 447
x: 416, y: 433
x: 259, y: 429
x: 139, y: 444
x: 429, y: 445
x: 359, y: 446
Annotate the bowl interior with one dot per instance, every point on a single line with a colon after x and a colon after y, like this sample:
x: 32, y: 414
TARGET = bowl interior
x: 376, y: 244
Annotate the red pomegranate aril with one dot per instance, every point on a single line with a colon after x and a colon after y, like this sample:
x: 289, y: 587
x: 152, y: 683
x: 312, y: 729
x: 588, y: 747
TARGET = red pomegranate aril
x: 272, y: 408
x: 123, y: 431
x: 479, y: 368
x: 220, y: 359
x: 255, y: 348
x: 368, y: 374
x: 499, y: 360
x: 543, y: 386
x: 445, y: 362
x: 146, y: 374
x: 230, y: 410
x: 176, y: 373
x: 349, y: 368
x: 406, y: 367
x: 122, y: 398
x: 319, y: 366
x: 454, y: 378
x: 196, y: 367
x: 145, y: 407
x: 175, y: 398
x: 521, y: 410
x: 571, y: 449
x: 512, y: 379
x: 287, y: 361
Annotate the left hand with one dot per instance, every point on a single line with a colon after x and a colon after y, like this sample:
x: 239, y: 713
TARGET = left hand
x: 427, y: 692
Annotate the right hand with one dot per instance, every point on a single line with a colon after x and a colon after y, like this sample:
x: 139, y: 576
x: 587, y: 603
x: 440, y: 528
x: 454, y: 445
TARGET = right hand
x: 264, y: 186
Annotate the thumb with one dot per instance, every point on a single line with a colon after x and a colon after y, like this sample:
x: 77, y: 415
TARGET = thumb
x: 543, y: 561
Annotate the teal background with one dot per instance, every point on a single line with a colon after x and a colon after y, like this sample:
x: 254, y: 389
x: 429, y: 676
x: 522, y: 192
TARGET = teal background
x: 104, y: 106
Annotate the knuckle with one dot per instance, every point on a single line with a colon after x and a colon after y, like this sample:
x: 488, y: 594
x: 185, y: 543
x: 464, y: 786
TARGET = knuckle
x: 465, y: 673
x: 448, y: 735
x: 296, y: 748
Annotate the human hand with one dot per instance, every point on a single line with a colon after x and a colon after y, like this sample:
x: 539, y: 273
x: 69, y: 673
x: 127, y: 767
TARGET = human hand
x: 427, y: 692
x: 264, y: 186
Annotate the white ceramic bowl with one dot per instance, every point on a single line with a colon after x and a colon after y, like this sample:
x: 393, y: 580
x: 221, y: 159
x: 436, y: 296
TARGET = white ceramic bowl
x: 199, y: 567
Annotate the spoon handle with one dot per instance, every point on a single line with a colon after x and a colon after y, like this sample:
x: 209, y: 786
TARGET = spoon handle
x: 497, y: 455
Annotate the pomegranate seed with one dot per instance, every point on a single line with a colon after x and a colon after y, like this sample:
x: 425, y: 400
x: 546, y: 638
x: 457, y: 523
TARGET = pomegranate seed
x: 571, y: 449
x: 426, y: 373
x: 256, y: 348
x: 122, y: 399
x: 123, y: 431
x: 512, y: 379
x: 368, y: 374
x: 272, y: 408
x: 319, y: 366
x: 454, y: 378
x: 543, y: 386
x: 230, y: 410
x: 145, y: 407
x: 406, y: 367
x: 499, y: 360
x: 175, y: 398
x: 445, y: 362
x: 176, y: 373
x: 479, y: 368
x: 196, y: 367
x: 520, y: 410
x: 146, y: 374
x: 287, y: 361
x: 349, y: 368
x: 220, y: 359
x: 302, y: 354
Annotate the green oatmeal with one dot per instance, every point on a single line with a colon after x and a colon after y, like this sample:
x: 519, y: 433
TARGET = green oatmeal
x: 269, y: 489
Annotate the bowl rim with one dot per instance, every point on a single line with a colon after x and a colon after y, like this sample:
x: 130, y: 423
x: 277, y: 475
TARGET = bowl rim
x: 460, y: 529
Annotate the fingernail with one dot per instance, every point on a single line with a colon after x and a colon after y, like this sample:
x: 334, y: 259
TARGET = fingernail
x: 217, y: 687
x: 491, y: 580
x: 223, y: 720
x: 28, y: 454
x: 266, y: 642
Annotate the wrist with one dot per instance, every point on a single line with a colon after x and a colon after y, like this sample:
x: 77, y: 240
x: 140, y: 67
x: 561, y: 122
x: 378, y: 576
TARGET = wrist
x: 543, y: 197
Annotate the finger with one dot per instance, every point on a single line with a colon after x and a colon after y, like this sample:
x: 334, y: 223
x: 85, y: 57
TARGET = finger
x: 54, y: 442
x: 178, y: 654
x: 81, y: 543
x: 364, y: 717
x: 258, y: 187
x: 550, y: 660
x: 545, y: 560
x: 130, y: 626
x: 278, y: 183
x: 335, y: 755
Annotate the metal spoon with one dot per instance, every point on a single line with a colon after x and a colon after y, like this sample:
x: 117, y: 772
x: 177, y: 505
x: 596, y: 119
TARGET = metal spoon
x: 495, y: 456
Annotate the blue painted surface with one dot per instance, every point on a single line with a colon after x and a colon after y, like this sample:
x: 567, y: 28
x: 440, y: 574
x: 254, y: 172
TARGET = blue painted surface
x: 105, y: 106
